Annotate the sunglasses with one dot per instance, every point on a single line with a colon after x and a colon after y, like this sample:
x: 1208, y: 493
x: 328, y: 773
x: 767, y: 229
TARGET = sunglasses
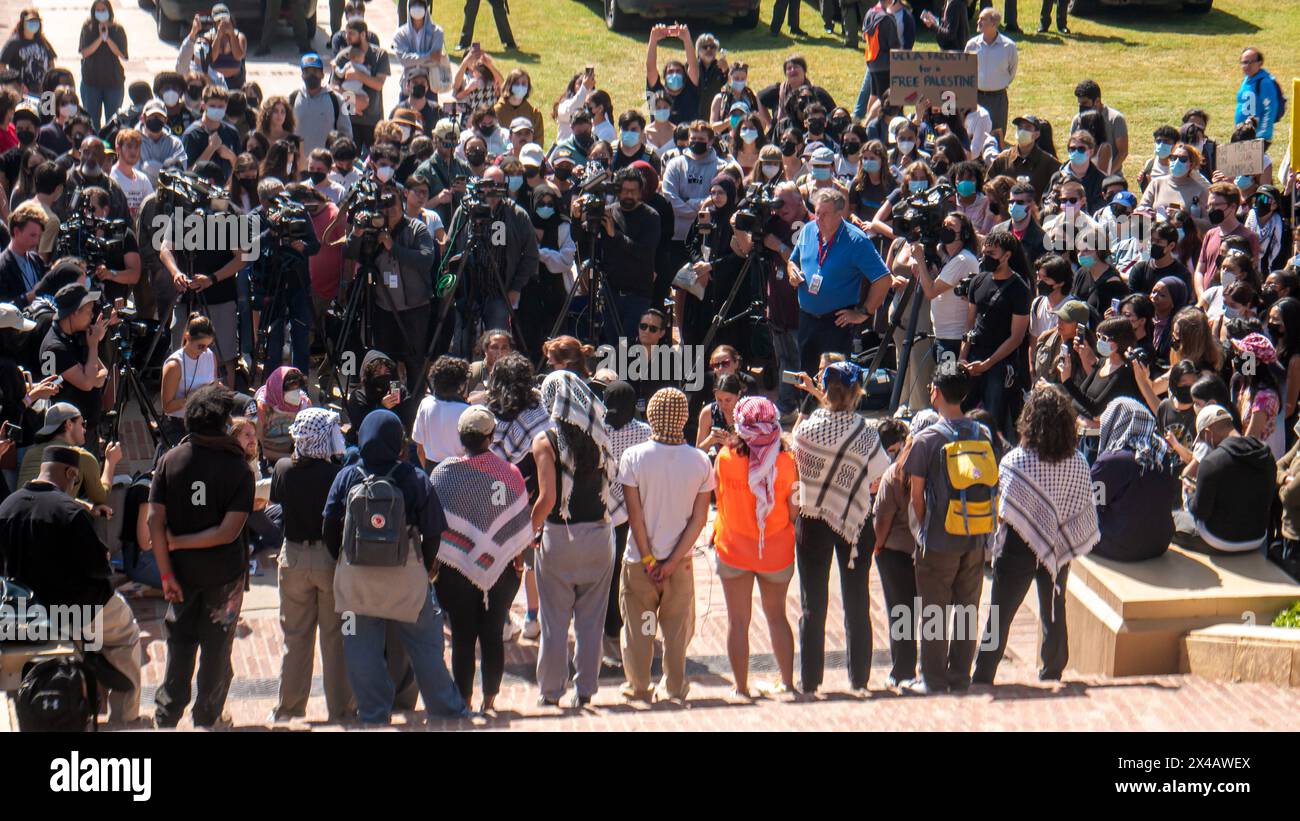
x: 1070, y: 200
x: 1078, y: 148
x: 648, y: 327
x: 720, y: 363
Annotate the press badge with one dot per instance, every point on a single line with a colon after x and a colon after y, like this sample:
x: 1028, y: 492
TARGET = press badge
x: 391, y: 278
x: 815, y: 284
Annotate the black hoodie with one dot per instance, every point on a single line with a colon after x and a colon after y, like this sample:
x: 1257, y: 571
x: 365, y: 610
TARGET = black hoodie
x: 1235, y: 487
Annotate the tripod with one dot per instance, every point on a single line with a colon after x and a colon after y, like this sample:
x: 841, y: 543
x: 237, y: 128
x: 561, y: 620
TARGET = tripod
x: 128, y: 382
x: 598, y: 297
x: 277, y: 270
x: 911, y: 301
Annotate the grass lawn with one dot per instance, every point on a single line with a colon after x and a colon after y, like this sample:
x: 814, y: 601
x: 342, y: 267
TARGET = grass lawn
x: 1152, y: 64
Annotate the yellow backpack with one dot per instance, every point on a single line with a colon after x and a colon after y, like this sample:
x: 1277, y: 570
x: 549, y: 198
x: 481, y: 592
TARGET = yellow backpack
x: 971, y: 471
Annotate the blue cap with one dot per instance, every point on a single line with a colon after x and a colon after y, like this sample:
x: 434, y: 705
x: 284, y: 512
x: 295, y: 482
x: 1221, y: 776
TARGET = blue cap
x: 311, y: 60
x: 1125, y: 198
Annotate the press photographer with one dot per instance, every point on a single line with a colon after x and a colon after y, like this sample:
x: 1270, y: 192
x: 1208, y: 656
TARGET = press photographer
x: 626, y: 238
x: 500, y: 246
x: 204, y: 278
x: 71, y: 350
x: 395, y: 261
x: 282, y: 277
x: 107, y: 245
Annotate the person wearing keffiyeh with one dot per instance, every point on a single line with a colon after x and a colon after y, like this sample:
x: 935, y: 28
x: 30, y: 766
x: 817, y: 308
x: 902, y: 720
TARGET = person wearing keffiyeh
x: 576, y: 557
x: 754, y: 534
x: 839, y: 458
x: 1139, y: 485
x: 624, y: 431
x: 278, y: 402
x: 1046, y: 518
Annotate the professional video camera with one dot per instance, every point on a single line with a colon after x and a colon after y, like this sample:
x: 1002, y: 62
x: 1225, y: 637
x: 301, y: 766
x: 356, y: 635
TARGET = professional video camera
x: 91, y: 238
x: 365, y: 204
x: 918, y: 218
x: 288, y: 219
x: 757, y: 207
x: 475, y: 201
x: 595, y: 189
x: 190, y: 193
x: 130, y: 330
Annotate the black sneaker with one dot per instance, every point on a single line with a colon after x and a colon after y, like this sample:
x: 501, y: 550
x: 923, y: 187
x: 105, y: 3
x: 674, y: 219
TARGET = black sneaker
x: 1063, y: 29
x: 1042, y: 28
x: 1012, y: 30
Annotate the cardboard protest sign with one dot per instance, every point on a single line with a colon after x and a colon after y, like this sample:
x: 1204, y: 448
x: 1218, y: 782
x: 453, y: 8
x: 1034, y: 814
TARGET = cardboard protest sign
x: 946, y: 78
x: 1245, y: 158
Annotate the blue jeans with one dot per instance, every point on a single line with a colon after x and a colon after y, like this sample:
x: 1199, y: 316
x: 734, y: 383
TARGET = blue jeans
x: 787, y: 354
x: 294, y: 309
x: 94, y: 99
x: 363, y: 650
x: 630, y: 308
x: 990, y: 391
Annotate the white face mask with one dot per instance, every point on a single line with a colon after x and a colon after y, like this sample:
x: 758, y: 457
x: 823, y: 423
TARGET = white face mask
x: 1228, y: 278
x: 102, y: 16
x: 68, y: 110
x: 417, y: 12
x: 293, y: 397
x: 1104, y: 347
x: 771, y: 169
x: 384, y: 173
x: 906, y: 147
x: 171, y: 97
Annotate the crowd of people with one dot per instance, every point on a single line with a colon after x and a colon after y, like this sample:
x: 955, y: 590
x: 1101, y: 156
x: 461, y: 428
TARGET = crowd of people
x: 392, y: 385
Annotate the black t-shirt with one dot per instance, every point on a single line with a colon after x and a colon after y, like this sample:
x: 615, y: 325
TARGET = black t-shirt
x: 70, y: 352
x: 48, y: 543
x: 1100, y: 293
x: 770, y: 98
x: 193, y: 263
x: 996, y: 302
x: 1168, y: 415
x: 1145, y: 275
x: 302, y: 507
x: 685, y: 106
x: 117, y: 262
x: 199, y: 486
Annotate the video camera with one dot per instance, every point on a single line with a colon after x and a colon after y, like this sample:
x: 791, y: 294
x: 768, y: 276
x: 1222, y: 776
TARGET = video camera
x: 595, y: 187
x: 288, y: 219
x: 91, y: 238
x: 366, y: 203
x: 190, y: 193
x: 129, y: 330
x: 475, y: 201
x: 918, y: 218
x: 757, y: 207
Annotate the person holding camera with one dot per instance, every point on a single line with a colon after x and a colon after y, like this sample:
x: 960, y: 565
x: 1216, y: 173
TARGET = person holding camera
x: 65, y: 427
x: 627, y: 237
x: 117, y: 268
x: 205, y: 281
x: 89, y: 172
x: 282, y: 276
x: 71, y: 350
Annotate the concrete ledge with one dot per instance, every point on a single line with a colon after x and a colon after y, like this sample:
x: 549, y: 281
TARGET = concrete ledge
x: 1129, y: 619
x: 1239, y: 652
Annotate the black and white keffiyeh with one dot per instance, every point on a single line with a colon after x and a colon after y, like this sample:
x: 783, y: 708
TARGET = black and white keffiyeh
x: 1049, y: 504
x: 513, y: 439
x: 1126, y: 424
x: 620, y: 439
x: 839, y: 458
x: 568, y: 399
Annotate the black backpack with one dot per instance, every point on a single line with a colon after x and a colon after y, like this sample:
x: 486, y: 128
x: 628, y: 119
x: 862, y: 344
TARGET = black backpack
x: 58, y: 695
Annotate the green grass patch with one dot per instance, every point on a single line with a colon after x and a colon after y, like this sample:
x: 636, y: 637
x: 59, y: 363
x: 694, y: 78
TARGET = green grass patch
x: 1151, y: 63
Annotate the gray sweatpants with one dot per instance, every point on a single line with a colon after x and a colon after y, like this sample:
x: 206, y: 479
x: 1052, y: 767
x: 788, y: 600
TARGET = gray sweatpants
x: 574, y: 568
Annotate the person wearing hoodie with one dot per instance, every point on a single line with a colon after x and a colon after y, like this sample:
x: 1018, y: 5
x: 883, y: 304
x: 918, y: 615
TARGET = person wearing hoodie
x: 1235, y: 484
x: 1259, y: 96
x: 402, y: 597
x: 377, y: 391
x: 686, y: 183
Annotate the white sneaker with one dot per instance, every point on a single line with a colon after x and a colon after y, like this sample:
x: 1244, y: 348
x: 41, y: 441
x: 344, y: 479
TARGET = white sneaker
x: 532, y: 628
x: 511, y: 630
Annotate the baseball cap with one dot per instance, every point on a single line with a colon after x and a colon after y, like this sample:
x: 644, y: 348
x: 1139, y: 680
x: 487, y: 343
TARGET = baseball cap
x: 406, y: 116
x: 823, y: 156
x: 532, y: 154
x: 1124, y: 198
x: 739, y: 105
x: 11, y: 317
x: 1026, y: 121
x: 895, y: 124
x: 220, y: 9
x: 521, y: 124
x: 155, y: 107
x: 562, y: 154
x: 311, y: 60
x: 28, y: 110
x: 476, y: 419
x: 1072, y: 310
x: 70, y: 298
x: 1114, y: 179
x: 56, y: 415
x: 811, y: 147
x: 61, y: 455
x: 1210, y: 415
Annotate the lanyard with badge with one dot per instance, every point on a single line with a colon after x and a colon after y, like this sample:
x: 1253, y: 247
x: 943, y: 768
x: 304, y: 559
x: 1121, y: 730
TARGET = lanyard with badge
x: 823, y: 251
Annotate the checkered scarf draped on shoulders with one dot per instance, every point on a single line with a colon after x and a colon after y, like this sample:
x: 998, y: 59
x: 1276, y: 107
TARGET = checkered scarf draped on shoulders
x: 1126, y: 424
x: 488, y: 518
x: 513, y: 438
x: 839, y: 456
x: 568, y: 399
x: 1049, y: 504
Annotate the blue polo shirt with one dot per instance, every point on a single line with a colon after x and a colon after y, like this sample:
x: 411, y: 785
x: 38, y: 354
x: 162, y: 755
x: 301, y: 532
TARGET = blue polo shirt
x: 850, y: 258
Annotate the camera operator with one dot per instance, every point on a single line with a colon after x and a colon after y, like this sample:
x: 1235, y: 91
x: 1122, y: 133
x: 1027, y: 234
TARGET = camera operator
x: 205, y: 281
x: 998, y: 315
x: 89, y: 172
x: 715, y: 265
x: 282, y: 277
x: 120, y: 268
x: 71, y: 350
x: 404, y: 256
x: 513, y: 262
x: 626, y: 238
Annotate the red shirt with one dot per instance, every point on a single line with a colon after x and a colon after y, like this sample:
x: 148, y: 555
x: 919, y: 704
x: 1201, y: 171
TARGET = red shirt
x: 8, y: 138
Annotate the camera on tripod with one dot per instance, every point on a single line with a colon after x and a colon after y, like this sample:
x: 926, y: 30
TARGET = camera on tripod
x: 91, y: 238
x: 129, y: 330
x: 756, y: 208
x: 595, y: 189
x: 190, y: 193
x: 919, y: 217
x: 477, y: 192
x: 288, y: 219
x: 366, y: 203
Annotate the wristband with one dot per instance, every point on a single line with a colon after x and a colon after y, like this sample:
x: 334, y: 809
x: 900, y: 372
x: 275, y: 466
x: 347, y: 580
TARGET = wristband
x: 648, y: 560
x: 167, y: 576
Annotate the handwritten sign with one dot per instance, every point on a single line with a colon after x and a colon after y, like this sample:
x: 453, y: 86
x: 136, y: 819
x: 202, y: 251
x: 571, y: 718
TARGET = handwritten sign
x: 1245, y: 158
x: 946, y: 78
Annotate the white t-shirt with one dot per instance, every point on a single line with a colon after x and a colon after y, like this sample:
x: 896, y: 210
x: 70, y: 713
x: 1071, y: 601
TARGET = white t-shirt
x: 136, y: 188
x: 1042, y: 316
x: 668, y: 478
x: 195, y: 373
x: 435, y: 428
x: 948, y: 311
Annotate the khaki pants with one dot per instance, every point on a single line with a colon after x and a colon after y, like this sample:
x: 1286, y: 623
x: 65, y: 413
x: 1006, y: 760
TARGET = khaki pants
x: 306, y: 578
x: 949, y: 580
x: 121, y: 648
x: 672, y: 612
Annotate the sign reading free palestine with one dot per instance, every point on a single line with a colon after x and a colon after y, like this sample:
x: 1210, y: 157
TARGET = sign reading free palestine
x: 939, y: 76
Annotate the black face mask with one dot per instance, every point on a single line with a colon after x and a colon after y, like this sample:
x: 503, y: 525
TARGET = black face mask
x: 1044, y: 287
x: 418, y: 91
x: 25, y: 137
x: 988, y: 263
x: 583, y: 141
x: 1216, y: 217
x: 1276, y: 331
x: 316, y: 177
x: 488, y: 129
x: 1158, y: 251
x: 788, y: 149
x: 839, y: 124
x: 476, y: 157
x: 947, y: 235
x: 995, y: 208
x: 194, y: 92
x: 1269, y: 294
x: 817, y: 125
x: 698, y: 147
x: 563, y: 174
x: 1182, y: 393
x: 312, y: 82
x: 851, y: 149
